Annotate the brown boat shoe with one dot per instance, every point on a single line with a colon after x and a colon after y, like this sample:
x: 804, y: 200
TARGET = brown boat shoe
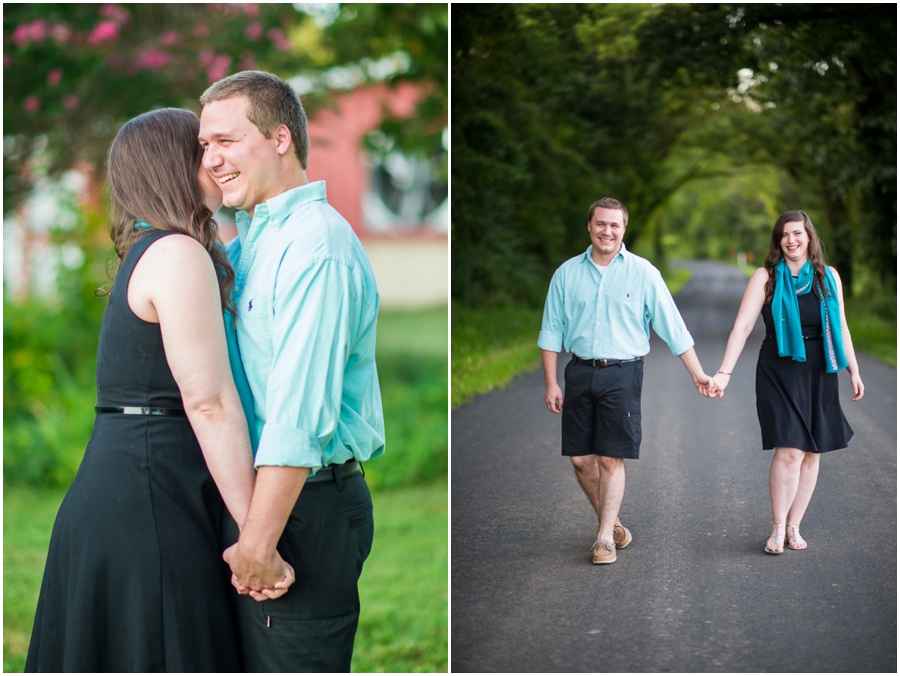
x: 604, y: 552
x: 621, y: 535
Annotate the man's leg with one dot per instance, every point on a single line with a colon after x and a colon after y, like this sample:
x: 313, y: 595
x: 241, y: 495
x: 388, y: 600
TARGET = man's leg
x: 612, y: 492
x: 312, y: 628
x: 587, y: 471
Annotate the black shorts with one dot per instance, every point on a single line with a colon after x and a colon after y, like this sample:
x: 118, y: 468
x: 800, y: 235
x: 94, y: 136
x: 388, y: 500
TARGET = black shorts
x: 602, y: 410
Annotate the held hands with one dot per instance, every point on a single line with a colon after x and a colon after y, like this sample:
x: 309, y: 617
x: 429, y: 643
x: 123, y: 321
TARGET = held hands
x: 707, y: 386
x: 721, y: 380
x: 260, y: 579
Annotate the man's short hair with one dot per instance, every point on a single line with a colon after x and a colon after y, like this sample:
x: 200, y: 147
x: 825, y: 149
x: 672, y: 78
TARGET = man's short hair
x: 608, y: 203
x: 272, y: 103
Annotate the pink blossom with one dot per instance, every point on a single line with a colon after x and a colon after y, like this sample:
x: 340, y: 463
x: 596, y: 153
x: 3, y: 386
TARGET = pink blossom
x: 70, y: 101
x: 115, y: 13
x: 40, y: 29
x: 105, y: 31
x: 27, y: 33
x: 54, y: 77
x: 61, y: 33
x: 250, y: 8
x: 247, y: 61
x: 6, y: 61
x: 32, y: 104
x: 219, y: 68
x: 153, y: 59
x: 276, y: 35
x: 201, y: 31
x: 170, y: 38
x: 254, y: 31
x: 22, y: 34
x: 206, y: 57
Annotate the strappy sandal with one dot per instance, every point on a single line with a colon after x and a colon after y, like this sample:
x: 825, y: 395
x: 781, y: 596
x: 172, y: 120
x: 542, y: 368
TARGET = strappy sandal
x: 779, y: 539
x: 794, y: 537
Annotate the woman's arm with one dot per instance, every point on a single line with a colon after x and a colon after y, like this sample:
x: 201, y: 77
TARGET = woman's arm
x: 852, y: 365
x: 751, y: 306
x: 175, y: 285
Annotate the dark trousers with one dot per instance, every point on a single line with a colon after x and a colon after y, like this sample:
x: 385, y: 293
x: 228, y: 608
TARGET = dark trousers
x: 311, y: 628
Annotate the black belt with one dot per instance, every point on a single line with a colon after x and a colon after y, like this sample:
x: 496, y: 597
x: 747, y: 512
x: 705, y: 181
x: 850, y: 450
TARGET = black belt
x: 345, y: 471
x: 140, y: 410
x: 603, y: 363
x: 816, y: 337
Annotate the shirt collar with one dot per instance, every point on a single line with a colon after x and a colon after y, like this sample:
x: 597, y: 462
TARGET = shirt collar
x: 622, y: 252
x: 277, y: 209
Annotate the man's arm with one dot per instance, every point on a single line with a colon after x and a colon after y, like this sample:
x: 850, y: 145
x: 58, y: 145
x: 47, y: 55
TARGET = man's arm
x: 704, y: 384
x: 553, y: 396
x: 253, y: 559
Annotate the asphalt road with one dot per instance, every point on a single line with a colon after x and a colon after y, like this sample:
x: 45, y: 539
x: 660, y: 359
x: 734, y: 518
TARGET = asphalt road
x: 694, y: 591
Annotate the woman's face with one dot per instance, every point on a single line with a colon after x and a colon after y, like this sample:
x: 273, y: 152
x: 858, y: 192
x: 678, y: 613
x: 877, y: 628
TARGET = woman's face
x: 795, y: 242
x: 212, y: 193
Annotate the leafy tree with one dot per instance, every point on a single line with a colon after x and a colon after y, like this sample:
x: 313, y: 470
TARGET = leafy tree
x: 823, y: 77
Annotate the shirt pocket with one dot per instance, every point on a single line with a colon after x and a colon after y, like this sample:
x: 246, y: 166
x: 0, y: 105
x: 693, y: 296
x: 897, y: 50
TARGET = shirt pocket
x: 254, y: 327
x: 625, y: 304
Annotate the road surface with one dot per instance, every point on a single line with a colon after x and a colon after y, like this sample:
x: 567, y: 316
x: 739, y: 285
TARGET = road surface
x: 694, y: 591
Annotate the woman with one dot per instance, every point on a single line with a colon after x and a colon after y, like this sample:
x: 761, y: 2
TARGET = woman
x: 807, y: 342
x: 134, y: 578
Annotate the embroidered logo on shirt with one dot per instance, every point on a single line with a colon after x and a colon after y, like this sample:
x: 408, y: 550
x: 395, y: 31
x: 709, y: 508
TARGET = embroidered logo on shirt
x: 250, y: 305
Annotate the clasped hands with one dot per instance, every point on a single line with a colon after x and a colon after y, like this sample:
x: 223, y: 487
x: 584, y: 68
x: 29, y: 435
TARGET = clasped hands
x: 712, y: 387
x: 261, y: 578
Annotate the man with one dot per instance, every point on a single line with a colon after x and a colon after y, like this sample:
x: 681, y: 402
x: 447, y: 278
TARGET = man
x: 306, y: 310
x: 598, y: 308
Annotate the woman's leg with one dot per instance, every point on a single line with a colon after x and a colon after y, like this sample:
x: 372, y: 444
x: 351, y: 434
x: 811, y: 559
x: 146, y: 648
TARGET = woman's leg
x: 809, y: 473
x: 784, y: 478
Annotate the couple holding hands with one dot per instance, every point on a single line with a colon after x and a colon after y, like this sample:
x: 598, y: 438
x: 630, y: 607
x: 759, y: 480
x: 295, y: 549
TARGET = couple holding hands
x: 237, y: 396
x: 599, y: 309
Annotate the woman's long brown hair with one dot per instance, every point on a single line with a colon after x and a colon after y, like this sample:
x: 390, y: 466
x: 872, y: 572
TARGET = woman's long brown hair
x: 152, y: 175
x: 816, y: 258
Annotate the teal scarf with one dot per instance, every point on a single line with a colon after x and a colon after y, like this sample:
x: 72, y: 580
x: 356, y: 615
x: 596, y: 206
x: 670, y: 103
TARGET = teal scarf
x: 786, y: 315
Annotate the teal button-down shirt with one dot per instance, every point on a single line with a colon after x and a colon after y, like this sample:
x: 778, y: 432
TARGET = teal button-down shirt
x: 303, y: 347
x: 608, y: 316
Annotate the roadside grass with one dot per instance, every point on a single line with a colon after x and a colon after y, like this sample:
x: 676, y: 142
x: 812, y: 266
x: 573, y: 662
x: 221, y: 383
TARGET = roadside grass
x: 403, y: 589
x: 490, y: 347
x: 872, y: 332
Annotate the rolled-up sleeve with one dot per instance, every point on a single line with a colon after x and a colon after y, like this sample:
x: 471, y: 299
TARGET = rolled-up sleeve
x: 553, y: 323
x: 312, y: 327
x: 667, y: 320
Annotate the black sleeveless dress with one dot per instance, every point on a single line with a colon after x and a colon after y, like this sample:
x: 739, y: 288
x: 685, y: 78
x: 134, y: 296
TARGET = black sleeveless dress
x: 134, y: 579
x: 797, y: 402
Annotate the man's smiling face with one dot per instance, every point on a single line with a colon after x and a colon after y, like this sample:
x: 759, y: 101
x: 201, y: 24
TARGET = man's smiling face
x: 243, y: 162
x: 607, y: 228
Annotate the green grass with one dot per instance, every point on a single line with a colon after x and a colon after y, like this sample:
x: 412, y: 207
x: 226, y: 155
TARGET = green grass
x: 489, y: 348
x: 403, y: 623
x: 872, y: 332
x: 411, y: 355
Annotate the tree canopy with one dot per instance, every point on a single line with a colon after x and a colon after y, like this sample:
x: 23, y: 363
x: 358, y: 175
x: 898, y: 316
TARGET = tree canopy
x: 738, y: 112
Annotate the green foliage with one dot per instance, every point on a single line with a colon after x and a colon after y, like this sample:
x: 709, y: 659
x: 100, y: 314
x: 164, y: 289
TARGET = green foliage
x: 403, y: 589
x: 411, y: 355
x: 73, y: 73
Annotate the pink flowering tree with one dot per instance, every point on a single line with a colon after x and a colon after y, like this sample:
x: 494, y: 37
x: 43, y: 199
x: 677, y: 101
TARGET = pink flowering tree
x: 72, y: 73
